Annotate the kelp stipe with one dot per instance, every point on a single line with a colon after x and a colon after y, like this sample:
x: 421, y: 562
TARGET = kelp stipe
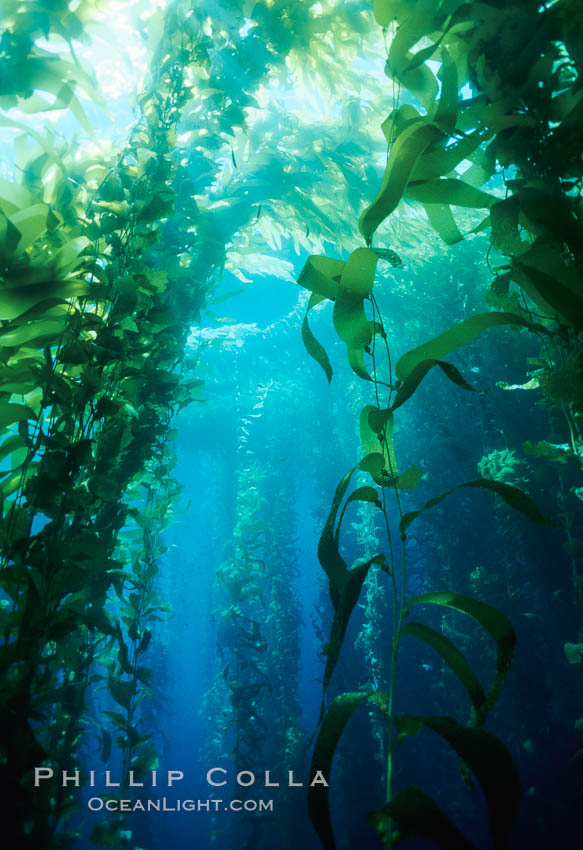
x: 413, y: 811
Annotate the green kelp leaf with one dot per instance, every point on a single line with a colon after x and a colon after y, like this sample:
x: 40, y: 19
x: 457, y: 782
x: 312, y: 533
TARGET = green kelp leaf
x: 376, y: 437
x: 17, y: 300
x: 17, y: 480
x: 457, y: 335
x: 548, y: 451
x: 146, y: 761
x: 40, y: 73
x: 69, y: 256
x: 9, y: 237
x: 331, y: 729
x: 13, y: 196
x: 517, y: 499
x: 37, y: 333
x: 398, y: 120
x: 415, y: 377
x: 442, y: 159
x: 495, y: 622
x: 355, y: 357
x: 513, y: 496
x: 414, y: 24
x: 321, y: 275
x: 350, y: 320
x: 219, y: 299
x: 447, y: 105
x: 487, y: 757
x: 405, y: 153
x: 12, y: 446
x: 449, y: 190
x: 363, y: 494
x: 123, y: 655
x: 31, y: 222
x: 122, y: 692
x: 344, y: 595
x: 356, y: 283
x: 374, y: 463
x: 416, y: 814
x: 344, y: 583
x: 505, y: 235
x: 442, y: 221
x: 409, y: 479
x: 384, y: 11
x: 421, y: 56
x: 376, y: 440
x: 452, y: 657
x: 8, y: 196
x: 548, y: 285
x: 11, y: 413
x: 313, y: 347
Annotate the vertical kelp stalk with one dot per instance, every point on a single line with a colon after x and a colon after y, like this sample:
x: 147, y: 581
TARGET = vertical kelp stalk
x: 419, y: 158
x: 348, y: 283
x: 258, y: 624
x: 522, y: 125
x: 398, y: 598
x: 92, y: 335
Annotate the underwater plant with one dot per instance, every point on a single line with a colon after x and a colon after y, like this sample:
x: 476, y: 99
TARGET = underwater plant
x: 425, y: 148
x: 348, y: 283
x: 108, y: 260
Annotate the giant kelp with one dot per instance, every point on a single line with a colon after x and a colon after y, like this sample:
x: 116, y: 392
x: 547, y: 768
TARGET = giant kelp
x: 107, y: 263
x: 105, y: 266
x: 91, y: 337
x: 474, y: 45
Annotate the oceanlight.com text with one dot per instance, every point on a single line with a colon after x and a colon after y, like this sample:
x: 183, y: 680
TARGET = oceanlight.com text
x: 97, y: 804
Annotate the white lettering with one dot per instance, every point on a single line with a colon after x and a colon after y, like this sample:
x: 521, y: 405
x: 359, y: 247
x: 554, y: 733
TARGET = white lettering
x: 291, y: 782
x: 74, y: 778
x: 319, y: 779
x: 42, y: 773
x: 132, y: 783
x: 174, y: 776
x: 210, y: 772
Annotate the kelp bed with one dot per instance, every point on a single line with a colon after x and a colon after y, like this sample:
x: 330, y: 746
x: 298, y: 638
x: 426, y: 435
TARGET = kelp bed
x: 110, y: 257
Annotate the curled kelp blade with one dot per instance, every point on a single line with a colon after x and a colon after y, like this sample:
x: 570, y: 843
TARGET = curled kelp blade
x: 492, y: 620
x: 344, y: 582
x: 488, y: 759
x: 414, y: 814
x: 513, y: 496
x: 333, y: 724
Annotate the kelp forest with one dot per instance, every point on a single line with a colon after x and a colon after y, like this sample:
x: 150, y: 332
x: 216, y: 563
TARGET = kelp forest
x: 291, y: 410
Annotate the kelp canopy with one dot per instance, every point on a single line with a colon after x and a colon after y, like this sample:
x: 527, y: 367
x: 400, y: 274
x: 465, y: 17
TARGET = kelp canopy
x: 260, y: 127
